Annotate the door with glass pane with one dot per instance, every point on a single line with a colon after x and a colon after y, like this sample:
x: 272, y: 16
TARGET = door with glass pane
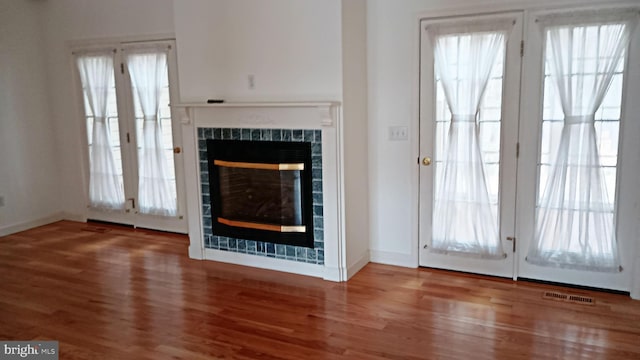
x: 134, y: 146
x: 571, y: 186
x: 469, y: 105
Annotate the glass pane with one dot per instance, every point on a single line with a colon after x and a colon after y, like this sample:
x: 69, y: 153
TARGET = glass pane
x: 607, y: 116
x: 467, y: 149
x: 551, y: 131
x: 578, y: 156
x: 607, y: 138
x: 610, y: 182
x: 166, y: 131
x: 113, y: 126
x: 611, y: 104
x: 544, y: 171
x: 261, y: 196
x: 489, y: 121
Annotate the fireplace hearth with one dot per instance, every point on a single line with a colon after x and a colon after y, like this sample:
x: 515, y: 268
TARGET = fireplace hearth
x: 261, y: 190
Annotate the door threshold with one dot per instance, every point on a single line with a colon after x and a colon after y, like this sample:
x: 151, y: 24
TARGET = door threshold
x: 573, y: 286
x: 467, y: 273
x: 160, y: 231
x: 129, y: 226
x: 110, y: 223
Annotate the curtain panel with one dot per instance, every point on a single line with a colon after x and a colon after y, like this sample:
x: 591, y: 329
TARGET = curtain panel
x: 463, y: 221
x: 149, y: 74
x: 575, y: 216
x: 106, y: 188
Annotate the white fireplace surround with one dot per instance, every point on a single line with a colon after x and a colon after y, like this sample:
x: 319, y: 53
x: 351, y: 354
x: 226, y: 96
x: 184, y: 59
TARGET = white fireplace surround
x: 324, y: 116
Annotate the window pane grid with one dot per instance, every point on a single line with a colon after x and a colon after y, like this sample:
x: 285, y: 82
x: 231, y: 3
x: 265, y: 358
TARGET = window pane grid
x: 489, y: 122
x: 607, y: 117
x: 112, y: 124
x: 164, y: 117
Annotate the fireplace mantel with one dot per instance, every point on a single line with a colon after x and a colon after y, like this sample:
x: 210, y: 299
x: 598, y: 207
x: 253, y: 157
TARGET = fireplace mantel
x: 323, y: 116
x: 260, y: 104
x: 326, y: 111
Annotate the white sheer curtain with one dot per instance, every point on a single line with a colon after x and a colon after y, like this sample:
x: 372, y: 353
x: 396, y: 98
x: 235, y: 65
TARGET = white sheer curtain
x: 575, y: 218
x: 463, y: 222
x: 106, y: 189
x: 148, y: 70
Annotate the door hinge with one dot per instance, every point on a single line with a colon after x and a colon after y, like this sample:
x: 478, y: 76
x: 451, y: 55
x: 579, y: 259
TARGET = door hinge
x: 128, y: 139
x: 521, y: 48
x: 513, y: 241
x: 122, y: 68
x: 517, y: 150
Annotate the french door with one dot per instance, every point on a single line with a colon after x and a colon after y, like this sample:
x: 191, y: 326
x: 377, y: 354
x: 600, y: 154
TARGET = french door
x: 134, y: 158
x: 552, y: 171
x: 470, y: 73
x: 577, y: 178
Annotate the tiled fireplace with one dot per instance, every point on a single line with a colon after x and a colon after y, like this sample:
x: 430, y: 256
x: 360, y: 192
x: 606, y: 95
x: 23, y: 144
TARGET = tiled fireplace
x: 260, y: 244
x: 223, y: 130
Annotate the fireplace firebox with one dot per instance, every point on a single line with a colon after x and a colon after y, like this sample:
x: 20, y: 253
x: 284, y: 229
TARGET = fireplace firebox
x: 261, y: 190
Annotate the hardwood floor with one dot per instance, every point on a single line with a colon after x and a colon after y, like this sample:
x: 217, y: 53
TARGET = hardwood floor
x: 132, y: 294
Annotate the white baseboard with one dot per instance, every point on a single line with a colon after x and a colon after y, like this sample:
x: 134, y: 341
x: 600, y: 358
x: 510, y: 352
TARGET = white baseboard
x: 195, y: 252
x: 264, y: 262
x: 333, y: 274
x: 635, y: 280
x: 358, y: 265
x: 393, y: 258
x: 26, y: 225
x: 74, y: 217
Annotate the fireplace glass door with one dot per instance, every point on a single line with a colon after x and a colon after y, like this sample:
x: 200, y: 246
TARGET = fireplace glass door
x: 261, y: 196
x: 261, y: 190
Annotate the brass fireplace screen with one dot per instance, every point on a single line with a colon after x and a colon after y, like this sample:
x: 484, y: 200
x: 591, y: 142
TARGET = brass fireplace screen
x: 261, y: 190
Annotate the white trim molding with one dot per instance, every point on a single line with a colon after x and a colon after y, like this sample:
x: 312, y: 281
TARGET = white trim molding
x: 264, y: 262
x: 394, y: 258
x: 362, y: 261
x: 26, y: 225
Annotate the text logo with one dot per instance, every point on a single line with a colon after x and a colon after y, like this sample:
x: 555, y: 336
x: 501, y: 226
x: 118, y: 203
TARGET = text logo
x: 32, y: 350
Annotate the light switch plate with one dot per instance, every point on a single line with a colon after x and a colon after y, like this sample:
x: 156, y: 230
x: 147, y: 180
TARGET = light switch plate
x: 398, y: 133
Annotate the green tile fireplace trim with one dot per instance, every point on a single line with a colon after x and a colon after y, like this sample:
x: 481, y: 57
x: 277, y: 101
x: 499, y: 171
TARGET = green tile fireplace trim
x: 260, y: 248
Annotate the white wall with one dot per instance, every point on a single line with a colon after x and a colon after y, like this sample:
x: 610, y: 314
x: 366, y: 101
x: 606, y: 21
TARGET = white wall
x: 66, y: 21
x: 355, y: 143
x: 28, y: 172
x: 390, y: 42
x: 291, y: 47
x: 392, y: 63
x: 297, y: 50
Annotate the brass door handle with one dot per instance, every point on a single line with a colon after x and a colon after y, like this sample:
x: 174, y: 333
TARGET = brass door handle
x: 426, y: 161
x: 177, y: 150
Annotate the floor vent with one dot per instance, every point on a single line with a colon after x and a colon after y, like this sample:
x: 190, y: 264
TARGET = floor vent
x: 99, y: 230
x: 587, y: 300
x: 558, y: 296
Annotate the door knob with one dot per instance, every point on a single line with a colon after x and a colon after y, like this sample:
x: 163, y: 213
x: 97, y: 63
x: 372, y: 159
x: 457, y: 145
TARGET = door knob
x: 426, y: 161
x: 177, y: 150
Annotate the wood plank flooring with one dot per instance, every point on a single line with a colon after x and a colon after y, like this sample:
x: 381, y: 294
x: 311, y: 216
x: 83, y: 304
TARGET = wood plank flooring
x: 133, y: 294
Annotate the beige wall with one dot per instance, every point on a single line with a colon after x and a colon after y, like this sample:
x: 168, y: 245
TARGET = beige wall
x: 28, y: 161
